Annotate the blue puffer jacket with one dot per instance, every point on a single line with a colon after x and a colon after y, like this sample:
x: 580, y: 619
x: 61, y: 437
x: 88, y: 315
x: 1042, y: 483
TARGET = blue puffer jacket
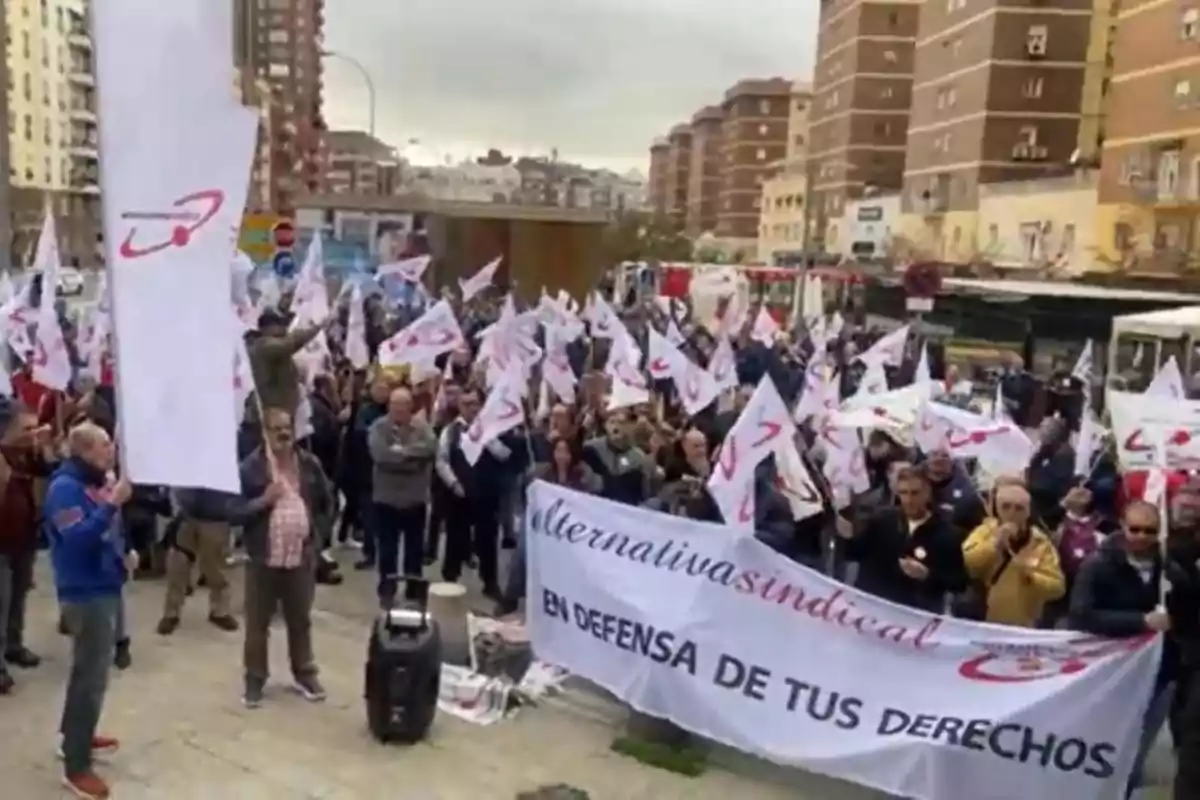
x: 87, y: 547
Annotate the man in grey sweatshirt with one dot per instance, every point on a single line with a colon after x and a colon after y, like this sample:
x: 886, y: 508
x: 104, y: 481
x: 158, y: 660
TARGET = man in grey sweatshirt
x: 402, y: 449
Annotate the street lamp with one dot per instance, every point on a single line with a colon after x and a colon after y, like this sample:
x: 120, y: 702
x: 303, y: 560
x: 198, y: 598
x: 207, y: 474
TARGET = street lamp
x: 366, y: 76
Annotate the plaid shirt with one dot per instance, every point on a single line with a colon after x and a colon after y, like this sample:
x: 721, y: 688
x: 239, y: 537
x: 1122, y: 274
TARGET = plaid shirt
x: 288, y: 528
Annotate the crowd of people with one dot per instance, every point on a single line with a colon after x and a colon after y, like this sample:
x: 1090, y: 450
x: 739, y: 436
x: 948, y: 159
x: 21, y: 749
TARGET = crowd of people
x: 381, y: 468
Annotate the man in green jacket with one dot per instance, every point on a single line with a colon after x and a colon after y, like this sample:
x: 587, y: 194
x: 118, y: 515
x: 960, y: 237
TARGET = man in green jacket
x: 271, y: 349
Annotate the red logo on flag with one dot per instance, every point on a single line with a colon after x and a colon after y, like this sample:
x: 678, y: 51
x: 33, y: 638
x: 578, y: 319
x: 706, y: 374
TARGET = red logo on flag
x: 186, y: 221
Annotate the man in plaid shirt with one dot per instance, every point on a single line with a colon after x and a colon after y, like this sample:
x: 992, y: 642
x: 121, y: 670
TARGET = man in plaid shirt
x: 286, y: 511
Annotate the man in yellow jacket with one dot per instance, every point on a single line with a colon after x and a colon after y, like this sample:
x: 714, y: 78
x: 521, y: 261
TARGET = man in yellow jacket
x: 1014, y: 562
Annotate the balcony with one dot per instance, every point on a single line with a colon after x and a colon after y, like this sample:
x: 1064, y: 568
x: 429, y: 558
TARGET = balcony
x: 84, y: 150
x: 79, y: 36
x: 81, y: 75
x: 85, y: 179
x: 84, y: 112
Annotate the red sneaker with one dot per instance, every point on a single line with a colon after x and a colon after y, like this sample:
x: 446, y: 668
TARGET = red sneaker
x: 105, y: 745
x: 87, y: 786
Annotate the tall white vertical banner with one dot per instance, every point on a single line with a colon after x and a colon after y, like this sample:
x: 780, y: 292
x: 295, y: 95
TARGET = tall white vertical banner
x: 175, y: 152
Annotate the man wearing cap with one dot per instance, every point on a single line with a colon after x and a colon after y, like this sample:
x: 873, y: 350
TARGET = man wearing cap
x: 271, y: 348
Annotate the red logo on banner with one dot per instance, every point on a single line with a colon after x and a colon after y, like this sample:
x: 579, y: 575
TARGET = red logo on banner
x: 187, y: 222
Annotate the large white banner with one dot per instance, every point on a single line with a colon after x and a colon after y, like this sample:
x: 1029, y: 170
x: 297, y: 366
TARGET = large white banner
x: 717, y: 632
x: 175, y: 151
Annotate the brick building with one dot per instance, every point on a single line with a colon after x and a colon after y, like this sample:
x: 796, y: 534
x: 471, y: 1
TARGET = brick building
x: 704, y: 172
x: 995, y: 97
x: 280, y: 42
x: 754, y: 136
x: 861, y: 96
x: 679, y: 165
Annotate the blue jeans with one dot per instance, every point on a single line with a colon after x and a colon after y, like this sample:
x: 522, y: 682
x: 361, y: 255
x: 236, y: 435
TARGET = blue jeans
x: 93, y: 626
x: 1152, y: 724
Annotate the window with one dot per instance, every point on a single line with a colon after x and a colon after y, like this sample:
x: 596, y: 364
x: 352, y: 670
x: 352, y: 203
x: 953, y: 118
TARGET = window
x: 951, y: 97
x: 28, y: 124
x: 1189, y: 25
x: 1036, y: 39
x: 58, y: 19
x: 1168, y: 174
x: 890, y: 56
x: 1067, y: 246
x: 993, y: 235
x: 1028, y: 134
x: 801, y: 105
x: 893, y: 19
x: 25, y: 47
x: 1194, y: 189
x: 47, y: 132
x: 956, y: 47
x: 760, y: 154
x: 1182, y: 93
x: 798, y: 140
x: 764, y: 107
x: 1031, y: 239
x: 886, y: 93
x: 1032, y: 89
x: 763, y: 129
x: 27, y: 86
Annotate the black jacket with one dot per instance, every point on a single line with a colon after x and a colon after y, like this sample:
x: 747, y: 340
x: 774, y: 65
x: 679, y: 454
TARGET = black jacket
x: 885, y: 539
x: 254, y: 516
x: 1110, y: 599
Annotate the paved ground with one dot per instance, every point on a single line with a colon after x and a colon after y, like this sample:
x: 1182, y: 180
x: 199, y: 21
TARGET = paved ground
x: 185, y: 735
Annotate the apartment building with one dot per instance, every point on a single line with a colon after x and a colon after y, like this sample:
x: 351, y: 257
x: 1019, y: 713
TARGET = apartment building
x: 783, y: 208
x: 754, y: 137
x: 704, y: 171
x: 679, y: 165
x: 358, y: 163
x: 996, y: 96
x: 281, y: 42
x: 53, y: 160
x: 657, y: 186
x: 1149, y: 193
x: 255, y: 92
x: 863, y: 83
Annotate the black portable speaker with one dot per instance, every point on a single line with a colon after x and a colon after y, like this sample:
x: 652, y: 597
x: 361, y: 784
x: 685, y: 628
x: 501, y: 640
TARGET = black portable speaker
x: 404, y: 670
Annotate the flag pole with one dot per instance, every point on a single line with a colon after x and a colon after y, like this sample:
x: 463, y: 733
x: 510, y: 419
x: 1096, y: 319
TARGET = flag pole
x: 110, y: 247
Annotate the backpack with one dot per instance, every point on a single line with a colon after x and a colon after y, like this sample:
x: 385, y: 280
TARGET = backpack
x: 1076, y: 541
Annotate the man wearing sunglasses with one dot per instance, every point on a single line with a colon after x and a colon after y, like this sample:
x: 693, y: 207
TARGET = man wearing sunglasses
x: 1117, y: 595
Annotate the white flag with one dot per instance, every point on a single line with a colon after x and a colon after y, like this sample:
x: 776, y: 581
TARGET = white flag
x: 480, y: 280
x: 50, y: 362
x: 177, y: 151
x: 759, y: 430
x: 500, y: 413
x: 424, y: 339
x: 888, y: 350
x: 1083, y: 365
x: 765, y: 329
x: 696, y: 387
x: 356, y: 331
x: 409, y: 269
x: 1168, y: 381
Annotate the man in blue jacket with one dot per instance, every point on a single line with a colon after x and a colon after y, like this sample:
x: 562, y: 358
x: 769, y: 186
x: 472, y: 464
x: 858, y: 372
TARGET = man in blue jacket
x: 90, y: 562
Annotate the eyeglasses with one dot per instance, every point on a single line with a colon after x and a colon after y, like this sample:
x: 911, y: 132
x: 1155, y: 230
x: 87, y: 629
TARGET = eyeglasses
x: 1142, y: 530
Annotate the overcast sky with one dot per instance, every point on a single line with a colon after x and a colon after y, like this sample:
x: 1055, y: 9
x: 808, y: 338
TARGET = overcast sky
x: 598, y: 79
